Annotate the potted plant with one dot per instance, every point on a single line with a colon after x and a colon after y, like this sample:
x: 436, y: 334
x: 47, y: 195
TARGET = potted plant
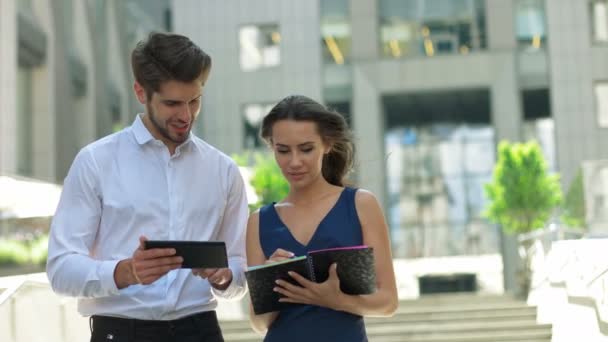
x: 522, y: 196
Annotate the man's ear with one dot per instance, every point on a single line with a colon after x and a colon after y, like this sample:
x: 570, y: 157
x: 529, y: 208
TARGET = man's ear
x: 140, y: 92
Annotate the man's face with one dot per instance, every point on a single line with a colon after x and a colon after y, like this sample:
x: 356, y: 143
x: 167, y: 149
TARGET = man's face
x: 172, y: 111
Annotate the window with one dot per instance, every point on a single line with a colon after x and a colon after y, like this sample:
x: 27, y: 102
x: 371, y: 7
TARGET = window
x: 25, y: 122
x: 335, y: 31
x: 259, y: 46
x: 530, y: 24
x: 599, y: 20
x: 252, y: 119
x: 601, y: 103
x: 430, y: 27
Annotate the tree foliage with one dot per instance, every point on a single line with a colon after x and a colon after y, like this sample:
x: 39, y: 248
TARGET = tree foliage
x: 573, y: 210
x: 522, y: 194
x: 267, y: 179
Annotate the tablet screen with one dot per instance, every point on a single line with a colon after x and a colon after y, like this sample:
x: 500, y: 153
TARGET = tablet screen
x: 196, y: 254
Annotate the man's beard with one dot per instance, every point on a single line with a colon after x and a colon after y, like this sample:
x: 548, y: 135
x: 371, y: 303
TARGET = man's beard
x: 164, y: 131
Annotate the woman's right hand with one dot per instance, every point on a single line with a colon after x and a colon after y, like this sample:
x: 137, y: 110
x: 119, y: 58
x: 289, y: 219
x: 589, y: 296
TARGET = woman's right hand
x: 279, y: 255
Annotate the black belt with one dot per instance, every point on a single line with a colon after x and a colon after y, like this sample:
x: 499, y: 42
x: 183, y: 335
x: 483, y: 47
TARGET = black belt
x: 131, y: 326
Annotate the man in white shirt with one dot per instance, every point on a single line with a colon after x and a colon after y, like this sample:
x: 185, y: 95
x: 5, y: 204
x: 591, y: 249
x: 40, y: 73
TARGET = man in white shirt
x: 153, y: 180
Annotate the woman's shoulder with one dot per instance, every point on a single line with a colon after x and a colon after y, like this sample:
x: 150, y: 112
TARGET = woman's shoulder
x: 365, y: 199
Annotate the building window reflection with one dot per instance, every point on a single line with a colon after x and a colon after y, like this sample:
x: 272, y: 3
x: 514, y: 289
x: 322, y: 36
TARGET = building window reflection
x: 431, y: 27
x: 335, y: 31
x: 599, y: 20
x: 253, y: 114
x: 259, y: 46
x: 530, y: 24
x: 436, y: 175
x: 601, y: 103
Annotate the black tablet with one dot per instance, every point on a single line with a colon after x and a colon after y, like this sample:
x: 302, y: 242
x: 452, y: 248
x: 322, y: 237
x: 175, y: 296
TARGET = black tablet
x: 196, y: 254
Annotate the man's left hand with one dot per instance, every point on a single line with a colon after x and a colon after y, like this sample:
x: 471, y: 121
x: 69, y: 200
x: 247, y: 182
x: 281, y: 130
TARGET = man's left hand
x: 219, y: 278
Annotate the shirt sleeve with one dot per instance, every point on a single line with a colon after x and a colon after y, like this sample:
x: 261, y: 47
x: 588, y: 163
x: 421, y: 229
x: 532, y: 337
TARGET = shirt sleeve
x: 232, y: 231
x: 70, y: 268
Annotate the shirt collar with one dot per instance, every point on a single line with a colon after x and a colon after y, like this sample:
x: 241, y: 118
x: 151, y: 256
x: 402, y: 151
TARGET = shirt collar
x: 143, y: 135
x: 140, y: 131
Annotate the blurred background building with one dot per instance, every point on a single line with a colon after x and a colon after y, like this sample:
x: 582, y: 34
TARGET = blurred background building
x: 428, y: 86
x: 65, y: 77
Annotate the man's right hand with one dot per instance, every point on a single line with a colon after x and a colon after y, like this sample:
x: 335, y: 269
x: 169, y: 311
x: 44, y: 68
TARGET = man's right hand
x: 146, y: 265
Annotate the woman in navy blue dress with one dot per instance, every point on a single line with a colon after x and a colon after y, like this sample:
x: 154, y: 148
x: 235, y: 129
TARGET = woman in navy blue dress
x: 314, y: 150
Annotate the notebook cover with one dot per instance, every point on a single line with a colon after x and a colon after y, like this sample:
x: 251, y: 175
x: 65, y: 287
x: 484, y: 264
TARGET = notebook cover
x: 356, y: 269
x: 261, y: 281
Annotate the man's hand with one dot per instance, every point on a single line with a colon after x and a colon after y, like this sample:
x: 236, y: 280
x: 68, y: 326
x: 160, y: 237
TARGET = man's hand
x: 219, y: 278
x: 146, y: 265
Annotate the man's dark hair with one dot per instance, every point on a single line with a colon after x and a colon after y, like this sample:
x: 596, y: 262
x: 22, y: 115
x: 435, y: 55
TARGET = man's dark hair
x: 331, y: 126
x: 165, y: 57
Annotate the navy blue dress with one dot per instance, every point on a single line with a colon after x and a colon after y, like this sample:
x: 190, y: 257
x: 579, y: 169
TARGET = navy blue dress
x: 339, y: 228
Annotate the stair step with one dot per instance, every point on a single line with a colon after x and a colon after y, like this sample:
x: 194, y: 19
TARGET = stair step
x: 414, y: 308
x: 471, y: 337
x: 433, y: 329
x: 407, y: 321
x: 440, y: 318
x: 457, y: 298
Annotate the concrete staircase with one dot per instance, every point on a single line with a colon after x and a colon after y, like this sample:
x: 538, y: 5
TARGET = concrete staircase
x: 441, y: 318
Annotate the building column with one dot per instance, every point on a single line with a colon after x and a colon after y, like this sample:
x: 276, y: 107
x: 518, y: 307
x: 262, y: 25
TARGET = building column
x: 370, y: 162
x: 365, y: 32
x: 506, y: 106
x: 8, y: 92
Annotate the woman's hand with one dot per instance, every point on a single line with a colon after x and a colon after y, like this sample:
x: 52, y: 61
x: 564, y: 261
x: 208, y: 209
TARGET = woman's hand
x: 327, y: 294
x: 279, y: 255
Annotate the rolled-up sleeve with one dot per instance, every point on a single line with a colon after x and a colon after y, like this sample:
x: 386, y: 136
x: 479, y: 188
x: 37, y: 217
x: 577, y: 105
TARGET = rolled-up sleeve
x: 70, y: 269
x: 232, y: 231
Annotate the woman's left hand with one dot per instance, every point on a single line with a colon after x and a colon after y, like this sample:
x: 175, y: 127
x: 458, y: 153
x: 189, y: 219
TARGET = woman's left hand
x: 327, y: 294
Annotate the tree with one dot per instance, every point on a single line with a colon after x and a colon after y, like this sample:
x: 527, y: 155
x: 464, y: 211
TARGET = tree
x: 267, y: 179
x: 522, y: 195
x: 573, y: 209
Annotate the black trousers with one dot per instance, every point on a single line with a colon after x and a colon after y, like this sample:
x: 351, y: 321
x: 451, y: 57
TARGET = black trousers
x: 201, y: 327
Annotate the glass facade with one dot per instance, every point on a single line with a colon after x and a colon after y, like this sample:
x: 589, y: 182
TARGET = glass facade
x: 259, y: 46
x: 335, y: 31
x: 601, y: 103
x: 599, y: 20
x: 253, y: 114
x: 431, y: 27
x: 435, y: 177
x: 530, y: 25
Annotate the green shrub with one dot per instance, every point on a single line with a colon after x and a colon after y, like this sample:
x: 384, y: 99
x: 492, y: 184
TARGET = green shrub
x: 13, y: 253
x: 39, y: 250
x: 573, y: 209
x: 522, y: 194
x: 267, y: 179
x: 21, y: 252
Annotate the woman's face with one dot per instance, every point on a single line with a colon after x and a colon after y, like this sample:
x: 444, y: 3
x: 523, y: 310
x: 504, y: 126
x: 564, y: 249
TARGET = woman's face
x: 298, y: 149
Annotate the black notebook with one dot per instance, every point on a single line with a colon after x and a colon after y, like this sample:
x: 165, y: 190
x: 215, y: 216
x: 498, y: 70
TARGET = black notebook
x: 356, y: 272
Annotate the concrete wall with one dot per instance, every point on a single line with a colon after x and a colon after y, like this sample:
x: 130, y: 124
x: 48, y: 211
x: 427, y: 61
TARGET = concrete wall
x: 214, y: 26
x: 575, y: 64
x: 85, y: 62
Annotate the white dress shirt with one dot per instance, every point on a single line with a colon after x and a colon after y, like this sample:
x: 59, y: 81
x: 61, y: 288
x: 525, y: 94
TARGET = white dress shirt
x: 127, y: 185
